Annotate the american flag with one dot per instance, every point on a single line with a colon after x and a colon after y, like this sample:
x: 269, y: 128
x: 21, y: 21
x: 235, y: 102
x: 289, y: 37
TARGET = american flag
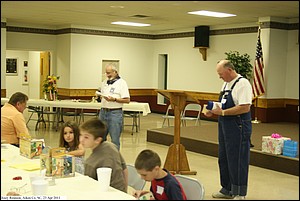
x: 258, y: 85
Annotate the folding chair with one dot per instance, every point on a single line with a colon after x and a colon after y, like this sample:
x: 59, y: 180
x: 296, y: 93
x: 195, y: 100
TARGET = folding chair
x: 39, y: 111
x: 48, y: 111
x: 71, y: 113
x: 135, y: 120
x: 90, y: 114
x: 134, y: 179
x: 167, y: 116
x: 191, y: 107
x: 193, y: 189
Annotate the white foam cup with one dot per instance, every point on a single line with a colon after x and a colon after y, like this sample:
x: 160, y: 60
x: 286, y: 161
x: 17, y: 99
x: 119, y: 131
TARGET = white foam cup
x: 35, y: 176
x: 104, y: 174
x: 39, y: 187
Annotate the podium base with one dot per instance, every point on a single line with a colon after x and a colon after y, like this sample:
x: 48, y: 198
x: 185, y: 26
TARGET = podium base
x: 176, y: 160
x: 184, y: 172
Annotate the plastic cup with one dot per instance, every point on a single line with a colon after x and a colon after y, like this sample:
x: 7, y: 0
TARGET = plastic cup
x: 39, y: 187
x: 104, y: 174
x: 35, y: 176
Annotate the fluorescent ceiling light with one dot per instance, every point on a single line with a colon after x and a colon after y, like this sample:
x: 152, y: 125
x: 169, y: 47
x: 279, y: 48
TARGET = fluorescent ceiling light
x: 211, y: 13
x: 131, y: 24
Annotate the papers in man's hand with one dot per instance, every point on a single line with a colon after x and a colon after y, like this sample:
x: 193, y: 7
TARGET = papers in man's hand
x: 98, y: 93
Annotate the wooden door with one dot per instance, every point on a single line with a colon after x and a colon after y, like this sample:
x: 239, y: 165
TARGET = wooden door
x: 44, y: 69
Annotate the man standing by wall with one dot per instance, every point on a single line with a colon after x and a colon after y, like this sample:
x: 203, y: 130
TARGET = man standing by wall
x: 114, y: 93
x: 235, y: 129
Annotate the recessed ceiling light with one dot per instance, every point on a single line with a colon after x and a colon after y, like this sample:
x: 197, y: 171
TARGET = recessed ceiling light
x: 211, y: 13
x: 140, y: 16
x: 117, y: 6
x: 131, y: 24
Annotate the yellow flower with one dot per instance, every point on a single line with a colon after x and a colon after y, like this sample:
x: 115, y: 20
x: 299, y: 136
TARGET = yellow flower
x: 50, y: 84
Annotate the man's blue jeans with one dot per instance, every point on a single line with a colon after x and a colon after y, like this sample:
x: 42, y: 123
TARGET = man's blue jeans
x: 114, y: 122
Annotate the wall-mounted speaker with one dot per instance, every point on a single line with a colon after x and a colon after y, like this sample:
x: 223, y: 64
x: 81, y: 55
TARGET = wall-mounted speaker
x: 201, y: 36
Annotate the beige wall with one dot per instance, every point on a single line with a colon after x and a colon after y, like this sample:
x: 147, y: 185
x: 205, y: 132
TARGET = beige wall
x: 77, y: 59
x: 3, y: 57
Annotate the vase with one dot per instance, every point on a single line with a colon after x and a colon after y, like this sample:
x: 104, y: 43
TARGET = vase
x: 48, y: 96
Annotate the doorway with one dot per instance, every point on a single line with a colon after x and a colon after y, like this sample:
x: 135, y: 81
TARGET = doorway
x: 45, y: 58
x: 162, y: 77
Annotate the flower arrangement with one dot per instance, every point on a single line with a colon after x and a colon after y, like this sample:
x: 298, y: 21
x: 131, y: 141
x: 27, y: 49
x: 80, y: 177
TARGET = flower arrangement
x: 50, y: 85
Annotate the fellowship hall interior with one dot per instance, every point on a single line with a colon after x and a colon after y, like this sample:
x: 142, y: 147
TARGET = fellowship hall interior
x: 178, y: 52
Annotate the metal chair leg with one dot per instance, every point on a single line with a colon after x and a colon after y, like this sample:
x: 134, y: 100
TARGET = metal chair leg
x: 29, y: 118
x: 40, y: 119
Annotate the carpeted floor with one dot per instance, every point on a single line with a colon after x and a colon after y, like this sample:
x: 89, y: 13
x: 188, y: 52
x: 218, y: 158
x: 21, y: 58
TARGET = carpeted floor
x: 285, y: 129
x: 204, y: 139
x: 210, y: 132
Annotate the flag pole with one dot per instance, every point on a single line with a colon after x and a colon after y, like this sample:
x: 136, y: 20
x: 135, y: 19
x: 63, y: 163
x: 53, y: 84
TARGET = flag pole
x: 258, y: 81
x: 255, y: 121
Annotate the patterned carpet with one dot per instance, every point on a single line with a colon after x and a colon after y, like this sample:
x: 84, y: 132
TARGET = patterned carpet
x: 204, y: 139
x: 210, y: 132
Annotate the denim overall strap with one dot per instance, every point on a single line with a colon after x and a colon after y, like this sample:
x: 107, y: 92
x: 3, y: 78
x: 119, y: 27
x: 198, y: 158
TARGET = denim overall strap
x: 234, y: 148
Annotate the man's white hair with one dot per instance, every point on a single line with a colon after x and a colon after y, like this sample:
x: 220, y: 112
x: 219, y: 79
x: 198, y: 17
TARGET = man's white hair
x: 113, y: 66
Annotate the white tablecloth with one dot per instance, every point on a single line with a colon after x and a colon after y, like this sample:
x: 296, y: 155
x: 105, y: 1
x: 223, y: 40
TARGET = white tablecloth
x: 144, y: 108
x: 79, y: 187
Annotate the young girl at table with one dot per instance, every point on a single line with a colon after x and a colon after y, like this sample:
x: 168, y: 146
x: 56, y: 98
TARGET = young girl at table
x: 69, y: 138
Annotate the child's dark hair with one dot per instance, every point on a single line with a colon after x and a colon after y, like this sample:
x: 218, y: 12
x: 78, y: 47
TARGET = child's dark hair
x: 74, y: 126
x: 147, y: 160
x: 95, y: 127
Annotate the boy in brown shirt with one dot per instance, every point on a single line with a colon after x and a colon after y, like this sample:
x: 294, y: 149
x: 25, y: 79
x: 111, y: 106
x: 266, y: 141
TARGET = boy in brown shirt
x: 104, y: 154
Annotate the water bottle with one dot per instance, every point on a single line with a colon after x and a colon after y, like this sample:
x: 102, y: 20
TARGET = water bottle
x: 211, y: 105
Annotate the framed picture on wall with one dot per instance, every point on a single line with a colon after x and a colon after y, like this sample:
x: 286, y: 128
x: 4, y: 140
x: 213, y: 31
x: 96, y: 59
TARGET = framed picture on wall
x: 25, y: 76
x: 25, y: 63
x: 11, y: 66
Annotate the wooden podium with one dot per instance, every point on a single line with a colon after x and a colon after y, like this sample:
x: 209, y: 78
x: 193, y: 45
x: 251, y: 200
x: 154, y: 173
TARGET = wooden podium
x: 176, y: 161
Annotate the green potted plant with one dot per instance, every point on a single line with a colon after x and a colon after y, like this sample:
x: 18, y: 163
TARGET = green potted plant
x: 241, y: 63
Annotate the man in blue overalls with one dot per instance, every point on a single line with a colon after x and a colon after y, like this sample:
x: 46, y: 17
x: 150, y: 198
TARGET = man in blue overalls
x: 235, y: 129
